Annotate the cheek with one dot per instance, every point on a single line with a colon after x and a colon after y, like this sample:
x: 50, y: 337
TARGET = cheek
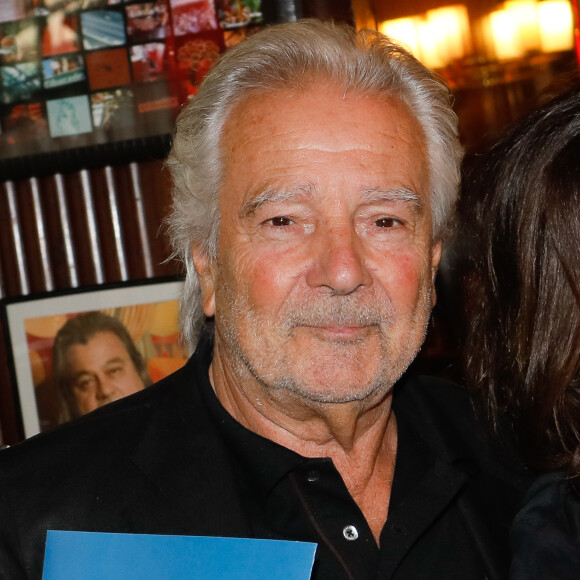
x: 268, y: 287
x: 264, y: 279
x: 84, y: 398
x: 405, y: 277
x: 131, y: 382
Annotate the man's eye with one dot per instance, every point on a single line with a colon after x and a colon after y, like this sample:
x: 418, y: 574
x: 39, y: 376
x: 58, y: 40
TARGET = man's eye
x: 281, y: 221
x: 387, y: 222
x: 84, y: 385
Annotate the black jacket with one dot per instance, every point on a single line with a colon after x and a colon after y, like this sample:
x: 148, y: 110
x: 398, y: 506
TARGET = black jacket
x: 546, y: 532
x: 156, y: 462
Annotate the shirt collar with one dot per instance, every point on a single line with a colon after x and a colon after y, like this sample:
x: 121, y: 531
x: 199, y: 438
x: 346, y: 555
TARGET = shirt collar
x: 264, y: 462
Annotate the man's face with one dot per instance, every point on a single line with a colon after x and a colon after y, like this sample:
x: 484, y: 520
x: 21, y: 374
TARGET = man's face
x: 323, y: 281
x: 101, y: 371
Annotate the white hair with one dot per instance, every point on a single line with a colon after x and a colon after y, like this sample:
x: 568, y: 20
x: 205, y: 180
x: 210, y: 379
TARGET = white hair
x: 291, y: 57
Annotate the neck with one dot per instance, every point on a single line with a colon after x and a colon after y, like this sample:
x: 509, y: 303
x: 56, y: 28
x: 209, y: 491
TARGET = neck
x: 359, y: 436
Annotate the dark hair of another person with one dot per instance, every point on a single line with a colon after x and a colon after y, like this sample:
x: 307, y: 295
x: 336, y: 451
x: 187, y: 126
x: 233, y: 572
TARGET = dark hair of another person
x: 522, y: 210
x: 80, y: 330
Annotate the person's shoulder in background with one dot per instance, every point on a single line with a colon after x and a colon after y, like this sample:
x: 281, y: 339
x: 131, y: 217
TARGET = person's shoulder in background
x: 546, y: 532
x: 447, y: 415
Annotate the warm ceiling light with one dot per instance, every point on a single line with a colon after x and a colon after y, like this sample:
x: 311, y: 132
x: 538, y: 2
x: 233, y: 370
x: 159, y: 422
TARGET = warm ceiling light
x: 526, y: 20
x: 429, y: 42
x: 437, y: 39
x: 556, y: 25
x: 403, y: 31
x: 504, y: 31
x: 450, y: 25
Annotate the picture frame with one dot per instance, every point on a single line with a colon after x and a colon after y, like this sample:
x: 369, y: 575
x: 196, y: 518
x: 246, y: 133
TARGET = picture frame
x: 148, y: 310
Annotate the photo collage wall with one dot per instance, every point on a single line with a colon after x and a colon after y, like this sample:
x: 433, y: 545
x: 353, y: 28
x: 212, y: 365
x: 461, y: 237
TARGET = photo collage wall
x: 76, y: 73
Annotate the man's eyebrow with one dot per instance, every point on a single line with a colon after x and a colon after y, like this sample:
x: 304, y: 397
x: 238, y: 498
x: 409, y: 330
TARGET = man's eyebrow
x: 271, y: 194
x: 370, y: 195
x: 114, y: 360
x: 379, y: 194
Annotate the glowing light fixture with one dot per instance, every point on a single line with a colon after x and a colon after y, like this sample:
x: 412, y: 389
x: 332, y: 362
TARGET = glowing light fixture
x: 504, y: 31
x: 449, y: 26
x: 437, y: 38
x: 525, y: 14
x: 556, y: 25
x: 403, y: 31
x: 428, y: 40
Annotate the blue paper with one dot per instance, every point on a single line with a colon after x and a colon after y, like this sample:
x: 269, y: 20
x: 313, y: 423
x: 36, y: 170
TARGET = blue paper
x: 101, y: 556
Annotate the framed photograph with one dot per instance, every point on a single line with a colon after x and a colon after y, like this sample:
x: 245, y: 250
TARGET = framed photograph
x: 74, y: 351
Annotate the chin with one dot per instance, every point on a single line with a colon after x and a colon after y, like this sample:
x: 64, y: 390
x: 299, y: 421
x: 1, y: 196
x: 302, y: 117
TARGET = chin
x: 333, y: 389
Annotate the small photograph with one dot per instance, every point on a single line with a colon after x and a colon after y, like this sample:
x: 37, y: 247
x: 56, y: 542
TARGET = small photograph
x: 61, y: 34
x: 69, y: 116
x: 148, y: 62
x: 102, y: 29
x: 113, y: 110
x: 23, y: 123
x: 89, y: 4
x: 14, y: 9
x: 18, y: 41
x: 238, y: 13
x: 193, y: 16
x: 19, y: 82
x: 75, y: 5
x: 147, y: 21
x: 80, y: 351
x: 108, y: 68
x: 195, y: 56
x: 63, y: 70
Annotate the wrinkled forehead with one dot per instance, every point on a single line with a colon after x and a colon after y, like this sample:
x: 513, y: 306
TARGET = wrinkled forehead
x: 270, y: 125
x: 251, y: 103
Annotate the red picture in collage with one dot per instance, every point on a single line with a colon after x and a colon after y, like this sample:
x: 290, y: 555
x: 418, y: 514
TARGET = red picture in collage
x: 198, y: 41
x: 148, y: 62
x: 191, y: 16
x: 61, y: 34
x: 108, y: 68
x: 24, y: 123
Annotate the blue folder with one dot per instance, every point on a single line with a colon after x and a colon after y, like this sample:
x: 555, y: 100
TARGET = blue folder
x: 100, y: 556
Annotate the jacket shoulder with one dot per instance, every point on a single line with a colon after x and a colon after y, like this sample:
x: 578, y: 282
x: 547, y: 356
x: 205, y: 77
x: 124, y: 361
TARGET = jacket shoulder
x: 444, y: 412
x: 109, y: 431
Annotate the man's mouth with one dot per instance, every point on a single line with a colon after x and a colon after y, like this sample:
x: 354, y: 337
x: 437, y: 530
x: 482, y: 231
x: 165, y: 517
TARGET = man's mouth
x: 341, y: 332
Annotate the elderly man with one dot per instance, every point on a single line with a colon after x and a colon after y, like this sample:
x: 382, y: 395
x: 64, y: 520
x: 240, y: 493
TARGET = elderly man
x: 315, y: 174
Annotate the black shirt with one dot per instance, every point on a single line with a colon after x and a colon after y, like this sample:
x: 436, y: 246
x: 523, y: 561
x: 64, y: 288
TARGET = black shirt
x: 171, y: 460
x: 288, y: 496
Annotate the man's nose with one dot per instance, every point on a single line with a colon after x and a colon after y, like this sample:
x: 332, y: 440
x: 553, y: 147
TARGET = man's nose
x: 105, y: 388
x: 339, y: 262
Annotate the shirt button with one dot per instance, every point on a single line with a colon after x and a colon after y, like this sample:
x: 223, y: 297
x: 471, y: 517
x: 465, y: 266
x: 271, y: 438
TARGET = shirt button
x: 312, y: 476
x: 350, y: 533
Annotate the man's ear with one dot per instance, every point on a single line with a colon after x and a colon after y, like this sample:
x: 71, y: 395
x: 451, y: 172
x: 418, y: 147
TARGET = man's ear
x: 206, y: 274
x: 435, y: 259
